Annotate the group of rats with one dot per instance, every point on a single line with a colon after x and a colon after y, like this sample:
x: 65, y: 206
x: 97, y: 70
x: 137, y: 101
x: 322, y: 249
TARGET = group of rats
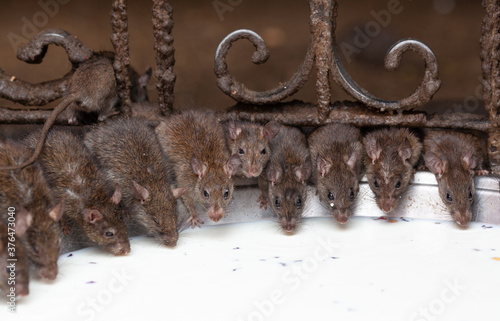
x: 131, y: 171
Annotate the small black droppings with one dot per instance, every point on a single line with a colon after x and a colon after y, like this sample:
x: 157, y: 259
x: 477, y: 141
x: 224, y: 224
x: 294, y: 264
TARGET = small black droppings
x: 283, y: 264
x: 71, y: 254
x: 92, y: 263
x: 334, y: 257
x: 236, y: 248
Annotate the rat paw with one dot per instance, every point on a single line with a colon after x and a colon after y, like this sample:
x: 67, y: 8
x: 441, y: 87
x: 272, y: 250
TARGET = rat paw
x: 263, y: 201
x: 195, y: 221
x: 422, y: 167
x: 482, y: 172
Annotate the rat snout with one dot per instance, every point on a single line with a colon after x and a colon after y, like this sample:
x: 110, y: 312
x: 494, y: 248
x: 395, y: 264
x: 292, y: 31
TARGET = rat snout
x: 342, y: 215
x: 169, y: 240
x: 49, y: 272
x: 22, y: 290
x: 252, y: 170
x: 387, y: 204
x: 215, y: 213
x: 289, y: 225
x: 462, y: 219
x: 120, y: 249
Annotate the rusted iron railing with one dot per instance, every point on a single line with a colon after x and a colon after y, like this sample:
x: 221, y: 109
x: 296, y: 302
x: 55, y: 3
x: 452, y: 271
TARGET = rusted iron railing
x: 322, y: 53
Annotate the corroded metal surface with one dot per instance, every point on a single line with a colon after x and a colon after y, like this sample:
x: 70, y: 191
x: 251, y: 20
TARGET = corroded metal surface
x: 121, y: 64
x: 40, y: 94
x: 490, y: 54
x: 324, y: 51
x: 162, y: 28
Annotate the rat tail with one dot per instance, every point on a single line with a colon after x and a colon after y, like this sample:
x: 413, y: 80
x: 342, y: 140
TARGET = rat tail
x: 43, y: 134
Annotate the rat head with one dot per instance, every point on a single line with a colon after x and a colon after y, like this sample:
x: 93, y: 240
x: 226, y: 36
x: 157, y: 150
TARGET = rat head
x: 104, y: 223
x: 21, y: 267
x: 288, y: 192
x: 214, y: 187
x: 156, y: 206
x: 251, y: 143
x: 455, y: 184
x: 388, y: 171
x: 338, y: 185
x: 42, y: 242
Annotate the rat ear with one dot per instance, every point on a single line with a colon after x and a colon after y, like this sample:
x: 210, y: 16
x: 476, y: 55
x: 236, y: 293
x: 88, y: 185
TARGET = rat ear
x: 233, y: 129
x: 232, y: 165
x: 273, y: 173
x: 373, y: 148
x: 405, y: 150
x: 323, y: 166
x: 56, y: 212
x: 470, y: 160
x: 139, y: 192
x: 24, y: 218
x: 117, y: 195
x: 199, y: 168
x: 351, y: 161
x: 435, y: 164
x: 92, y: 216
x: 303, y: 172
x: 177, y: 191
x: 143, y: 79
x: 270, y: 130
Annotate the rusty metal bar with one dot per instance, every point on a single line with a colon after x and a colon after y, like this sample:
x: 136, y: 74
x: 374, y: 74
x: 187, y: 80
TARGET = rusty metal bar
x: 490, y: 64
x: 322, y: 25
x: 121, y: 64
x: 163, y: 24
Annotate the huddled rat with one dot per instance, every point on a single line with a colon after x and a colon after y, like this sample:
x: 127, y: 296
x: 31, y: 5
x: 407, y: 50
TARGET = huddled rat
x: 76, y: 181
x: 130, y: 156
x: 27, y: 190
x: 337, y: 158
x: 14, y: 275
x: 283, y: 185
x: 390, y: 157
x: 251, y: 142
x: 454, y: 157
x: 195, y: 146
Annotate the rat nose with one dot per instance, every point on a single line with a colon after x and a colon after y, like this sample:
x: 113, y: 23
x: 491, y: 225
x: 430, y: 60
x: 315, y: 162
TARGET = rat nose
x: 48, y: 273
x: 215, y: 213
x: 342, y: 216
x: 386, y: 204
x: 289, y: 226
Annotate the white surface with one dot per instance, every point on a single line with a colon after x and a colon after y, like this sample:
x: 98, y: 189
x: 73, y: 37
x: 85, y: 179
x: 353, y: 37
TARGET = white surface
x: 367, y: 270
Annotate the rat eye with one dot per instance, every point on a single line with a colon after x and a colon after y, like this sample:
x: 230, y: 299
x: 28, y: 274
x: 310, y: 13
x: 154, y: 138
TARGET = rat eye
x: 277, y: 203
x: 330, y: 196
x: 470, y: 195
x: 375, y: 183
x: 298, y: 203
x: 398, y: 184
x: 226, y: 193
x: 351, y: 195
x: 263, y: 152
x: 109, y: 234
x: 241, y: 151
x: 449, y: 198
x: 205, y: 193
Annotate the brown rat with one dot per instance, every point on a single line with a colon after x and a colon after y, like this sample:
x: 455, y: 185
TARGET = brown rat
x: 337, y: 157
x: 195, y: 146
x: 14, y: 275
x: 251, y: 142
x: 91, y: 88
x: 453, y: 157
x: 27, y: 191
x: 78, y: 183
x: 130, y: 155
x: 283, y: 184
x: 390, y: 157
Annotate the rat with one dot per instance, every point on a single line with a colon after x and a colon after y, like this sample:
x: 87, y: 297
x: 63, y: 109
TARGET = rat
x: 28, y: 192
x: 14, y: 275
x: 284, y: 182
x: 195, y: 145
x: 251, y: 142
x: 130, y: 156
x: 91, y: 88
x: 390, y: 157
x: 76, y: 181
x: 454, y: 157
x: 337, y: 158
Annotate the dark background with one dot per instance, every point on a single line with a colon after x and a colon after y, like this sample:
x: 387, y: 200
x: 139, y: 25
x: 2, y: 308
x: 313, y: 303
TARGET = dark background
x: 451, y: 28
